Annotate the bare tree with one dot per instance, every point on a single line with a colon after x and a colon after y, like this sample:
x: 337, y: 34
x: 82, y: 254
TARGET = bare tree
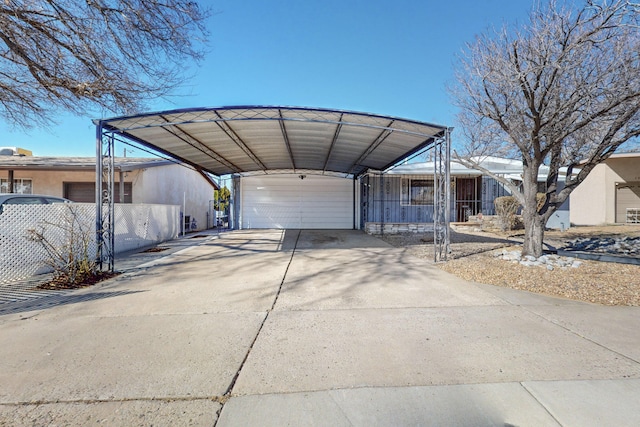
x: 111, y: 54
x: 563, y: 90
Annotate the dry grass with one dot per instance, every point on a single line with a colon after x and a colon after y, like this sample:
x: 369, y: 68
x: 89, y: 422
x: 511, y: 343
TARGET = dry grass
x: 595, y: 282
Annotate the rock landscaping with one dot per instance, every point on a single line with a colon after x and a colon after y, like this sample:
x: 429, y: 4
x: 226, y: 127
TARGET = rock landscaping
x: 625, y: 246
x: 550, y: 262
x: 629, y: 246
x: 496, y: 259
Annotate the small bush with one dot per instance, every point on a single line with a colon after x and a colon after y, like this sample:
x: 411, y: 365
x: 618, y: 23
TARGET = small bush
x: 71, y: 259
x: 506, y: 210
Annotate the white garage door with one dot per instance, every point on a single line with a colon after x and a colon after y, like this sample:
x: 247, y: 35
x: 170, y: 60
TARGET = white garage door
x: 286, y: 201
x: 628, y: 202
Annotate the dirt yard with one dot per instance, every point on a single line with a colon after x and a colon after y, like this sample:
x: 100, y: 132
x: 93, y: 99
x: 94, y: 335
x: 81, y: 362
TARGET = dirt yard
x: 472, y: 258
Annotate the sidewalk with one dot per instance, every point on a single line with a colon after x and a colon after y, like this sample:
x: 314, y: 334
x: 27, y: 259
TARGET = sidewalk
x: 313, y: 328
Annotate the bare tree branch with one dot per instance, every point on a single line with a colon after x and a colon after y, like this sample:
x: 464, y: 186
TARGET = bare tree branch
x: 564, y: 91
x: 114, y: 55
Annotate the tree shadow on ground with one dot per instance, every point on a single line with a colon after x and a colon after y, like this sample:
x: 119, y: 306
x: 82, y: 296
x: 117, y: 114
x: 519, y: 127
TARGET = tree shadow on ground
x: 461, y: 244
x: 47, y: 300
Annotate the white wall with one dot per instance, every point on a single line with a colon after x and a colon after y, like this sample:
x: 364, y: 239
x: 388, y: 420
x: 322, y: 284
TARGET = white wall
x: 172, y: 185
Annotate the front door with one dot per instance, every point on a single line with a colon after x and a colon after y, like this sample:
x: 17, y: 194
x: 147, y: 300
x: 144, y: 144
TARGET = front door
x: 467, y: 202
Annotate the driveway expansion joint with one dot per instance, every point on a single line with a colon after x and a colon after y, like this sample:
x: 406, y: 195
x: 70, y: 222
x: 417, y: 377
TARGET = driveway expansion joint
x: 228, y: 393
x: 542, y: 405
x: 568, y: 329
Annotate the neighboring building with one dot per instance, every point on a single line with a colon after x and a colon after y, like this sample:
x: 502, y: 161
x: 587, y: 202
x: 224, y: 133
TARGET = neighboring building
x: 610, y: 194
x: 137, y: 180
x: 403, y: 195
x: 406, y: 193
x: 14, y: 151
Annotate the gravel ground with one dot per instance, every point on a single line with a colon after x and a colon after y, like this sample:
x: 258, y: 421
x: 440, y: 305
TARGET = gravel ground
x: 472, y: 258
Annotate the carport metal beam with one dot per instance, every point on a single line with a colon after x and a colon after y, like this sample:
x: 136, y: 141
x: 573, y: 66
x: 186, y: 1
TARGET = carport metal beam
x: 285, y: 137
x: 333, y: 144
x: 226, y: 128
x: 384, y: 134
x: 200, y: 146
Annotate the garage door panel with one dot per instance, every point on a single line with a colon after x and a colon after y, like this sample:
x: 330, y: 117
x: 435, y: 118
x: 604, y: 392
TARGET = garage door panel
x: 627, y: 197
x: 268, y: 216
x: 269, y: 196
x: 287, y: 201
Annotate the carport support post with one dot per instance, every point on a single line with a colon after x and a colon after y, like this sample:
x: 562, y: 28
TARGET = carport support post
x: 381, y: 189
x: 121, y: 186
x: 442, y: 196
x: 105, y: 210
x: 355, y: 204
x: 10, y: 186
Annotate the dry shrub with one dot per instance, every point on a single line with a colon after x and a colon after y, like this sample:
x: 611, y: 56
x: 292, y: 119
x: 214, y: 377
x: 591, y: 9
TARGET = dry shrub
x: 507, y: 210
x: 71, y: 259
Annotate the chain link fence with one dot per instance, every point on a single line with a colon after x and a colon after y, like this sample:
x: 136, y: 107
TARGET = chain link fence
x: 136, y: 226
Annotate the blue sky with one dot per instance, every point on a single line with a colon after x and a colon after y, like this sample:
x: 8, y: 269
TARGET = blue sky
x: 384, y: 57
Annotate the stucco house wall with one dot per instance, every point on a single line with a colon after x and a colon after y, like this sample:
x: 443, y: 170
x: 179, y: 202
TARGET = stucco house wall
x: 170, y: 185
x: 49, y: 182
x: 589, y: 199
x: 593, y: 202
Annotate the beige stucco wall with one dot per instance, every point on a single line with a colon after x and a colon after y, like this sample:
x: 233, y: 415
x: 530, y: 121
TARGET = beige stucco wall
x: 594, y: 201
x: 588, y: 200
x: 51, y: 182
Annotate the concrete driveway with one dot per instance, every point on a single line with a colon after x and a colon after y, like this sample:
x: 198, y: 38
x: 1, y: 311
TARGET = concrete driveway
x: 311, y: 328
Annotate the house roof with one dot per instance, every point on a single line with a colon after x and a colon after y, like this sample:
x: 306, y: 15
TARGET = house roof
x: 266, y: 139
x: 626, y: 155
x: 509, y: 168
x: 76, y: 163
x: 121, y: 164
x: 497, y: 165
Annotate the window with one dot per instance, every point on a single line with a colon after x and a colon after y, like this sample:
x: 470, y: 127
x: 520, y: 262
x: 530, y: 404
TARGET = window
x: 20, y: 186
x: 417, y: 192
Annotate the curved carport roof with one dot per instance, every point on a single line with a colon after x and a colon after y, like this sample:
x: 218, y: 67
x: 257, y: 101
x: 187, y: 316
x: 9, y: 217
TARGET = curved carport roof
x: 266, y: 139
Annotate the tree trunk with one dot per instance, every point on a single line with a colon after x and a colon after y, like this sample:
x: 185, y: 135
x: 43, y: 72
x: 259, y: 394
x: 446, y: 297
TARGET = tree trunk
x: 533, y: 233
x: 533, y: 222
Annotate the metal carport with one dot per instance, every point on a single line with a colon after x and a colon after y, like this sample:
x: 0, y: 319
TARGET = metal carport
x: 250, y: 140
